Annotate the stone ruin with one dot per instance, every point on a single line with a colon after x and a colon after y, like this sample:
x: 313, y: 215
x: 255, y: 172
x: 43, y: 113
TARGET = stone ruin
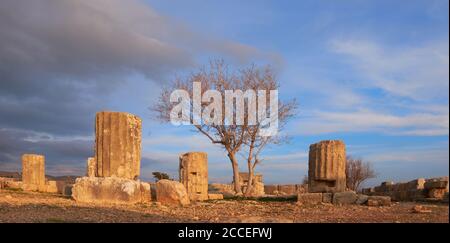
x: 327, y: 161
x: 91, y: 167
x: 258, y: 185
x: 327, y: 180
x: 433, y: 189
x: 285, y: 190
x: 112, y: 174
x: 193, y: 173
x: 33, y: 172
x: 117, y: 145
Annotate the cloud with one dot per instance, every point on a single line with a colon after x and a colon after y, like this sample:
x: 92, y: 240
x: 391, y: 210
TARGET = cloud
x: 421, y: 124
x: 60, y: 152
x: 61, y: 61
x: 415, y: 72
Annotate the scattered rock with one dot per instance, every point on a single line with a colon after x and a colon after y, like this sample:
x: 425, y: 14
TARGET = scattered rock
x: 341, y: 198
x: 362, y: 199
x: 309, y: 198
x: 420, y: 209
x: 327, y: 197
x: 375, y: 201
x: 171, y: 192
x: 215, y: 196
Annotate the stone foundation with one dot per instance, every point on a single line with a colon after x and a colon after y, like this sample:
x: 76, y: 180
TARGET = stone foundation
x: 415, y: 190
x: 110, y: 190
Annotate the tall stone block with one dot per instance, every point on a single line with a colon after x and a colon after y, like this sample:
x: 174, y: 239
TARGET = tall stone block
x: 117, y: 145
x: 91, y: 167
x: 327, y: 162
x: 33, y: 172
x: 194, y: 174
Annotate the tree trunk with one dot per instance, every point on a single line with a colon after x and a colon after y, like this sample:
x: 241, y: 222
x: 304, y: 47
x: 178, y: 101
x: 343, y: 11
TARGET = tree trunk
x: 236, y: 179
x: 249, y: 188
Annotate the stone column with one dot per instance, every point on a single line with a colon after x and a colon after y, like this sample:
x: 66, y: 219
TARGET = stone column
x: 117, y: 145
x: 327, y: 162
x: 91, y: 167
x: 33, y: 172
x: 194, y: 174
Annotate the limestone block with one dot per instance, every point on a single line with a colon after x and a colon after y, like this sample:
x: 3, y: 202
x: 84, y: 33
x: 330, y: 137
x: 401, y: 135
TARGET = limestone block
x: 309, y: 198
x: 215, y: 196
x: 33, y: 172
x: 362, y: 199
x: 91, y: 167
x: 117, y: 145
x: 326, y: 172
x: 270, y: 189
x: 437, y: 183
x: 327, y: 197
x: 193, y: 171
x: 436, y: 193
x: 171, y: 192
x: 110, y: 190
x: 379, y: 201
x: 341, y: 198
x: 287, y: 189
x: 55, y: 186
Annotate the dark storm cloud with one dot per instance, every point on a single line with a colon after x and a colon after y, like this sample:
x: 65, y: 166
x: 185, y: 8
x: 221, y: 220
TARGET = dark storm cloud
x: 60, y: 59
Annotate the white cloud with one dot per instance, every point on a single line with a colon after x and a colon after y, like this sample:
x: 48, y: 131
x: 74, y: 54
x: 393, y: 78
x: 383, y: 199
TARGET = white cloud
x: 418, y: 72
x: 424, y: 124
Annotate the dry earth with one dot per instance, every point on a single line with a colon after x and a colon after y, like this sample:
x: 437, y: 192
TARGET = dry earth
x: 18, y: 206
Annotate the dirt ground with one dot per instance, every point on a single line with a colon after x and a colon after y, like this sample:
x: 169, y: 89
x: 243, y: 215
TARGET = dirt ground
x: 19, y: 206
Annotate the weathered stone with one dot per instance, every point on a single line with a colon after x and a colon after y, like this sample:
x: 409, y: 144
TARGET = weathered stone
x: 362, y: 199
x: 258, y: 185
x: 378, y: 201
x: 193, y: 172
x: 117, y: 145
x: 368, y: 191
x: 327, y: 162
x: 171, y: 192
x: 91, y: 167
x: 110, y: 190
x: 327, y: 197
x: 215, y: 196
x: 287, y: 189
x: 14, y: 184
x: 55, y: 186
x: 436, y: 193
x: 270, y: 189
x: 309, y: 198
x: 342, y: 198
x: 437, y: 183
x: 33, y: 172
x: 225, y: 189
x: 420, y: 209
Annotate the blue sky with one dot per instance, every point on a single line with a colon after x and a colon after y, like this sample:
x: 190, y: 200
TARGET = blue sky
x: 372, y: 73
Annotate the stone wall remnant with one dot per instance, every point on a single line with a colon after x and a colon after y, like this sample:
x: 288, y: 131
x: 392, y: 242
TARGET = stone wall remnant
x: 327, y: 161
x: 193, y: 172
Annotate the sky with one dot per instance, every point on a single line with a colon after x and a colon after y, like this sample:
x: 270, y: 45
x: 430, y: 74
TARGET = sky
x: 374, y: 74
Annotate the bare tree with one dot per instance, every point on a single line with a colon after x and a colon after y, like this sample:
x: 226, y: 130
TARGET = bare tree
x: 245, y: 138
x: 357, y: 171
